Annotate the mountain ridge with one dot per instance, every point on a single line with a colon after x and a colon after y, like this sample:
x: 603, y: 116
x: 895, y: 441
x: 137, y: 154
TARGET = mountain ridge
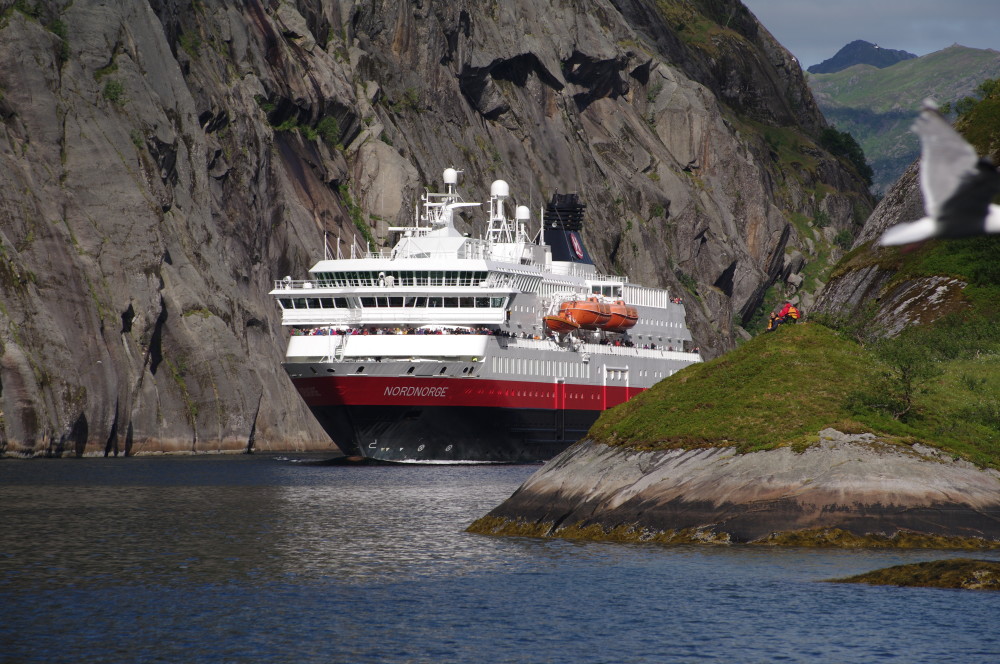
x: 877, y: 106
x: 860, y: 52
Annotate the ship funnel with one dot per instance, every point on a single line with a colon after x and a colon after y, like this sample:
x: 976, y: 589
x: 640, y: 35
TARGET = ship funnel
x: 499, y: 188
x: 563, y: 221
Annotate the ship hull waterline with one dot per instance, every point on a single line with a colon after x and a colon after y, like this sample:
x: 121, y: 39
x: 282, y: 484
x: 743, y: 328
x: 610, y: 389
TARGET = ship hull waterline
x: 474, y: 425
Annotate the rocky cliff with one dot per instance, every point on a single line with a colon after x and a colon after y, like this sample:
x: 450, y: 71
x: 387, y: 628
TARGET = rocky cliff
x: 162, y: 162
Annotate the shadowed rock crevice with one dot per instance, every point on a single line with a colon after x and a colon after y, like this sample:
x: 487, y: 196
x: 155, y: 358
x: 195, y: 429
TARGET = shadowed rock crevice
x: 478, y: 84
x: 601, y: 78
x: 111, y: 446
x: 127, y: 317
x: 78, y: 435
x: 155, y: 352
x: 725, y: 280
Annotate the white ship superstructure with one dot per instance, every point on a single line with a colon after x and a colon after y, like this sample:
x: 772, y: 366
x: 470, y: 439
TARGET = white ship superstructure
x: 503, y: 348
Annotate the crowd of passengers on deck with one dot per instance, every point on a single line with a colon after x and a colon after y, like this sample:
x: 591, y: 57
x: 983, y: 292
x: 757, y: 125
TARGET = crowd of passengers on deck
x: 327, y: 331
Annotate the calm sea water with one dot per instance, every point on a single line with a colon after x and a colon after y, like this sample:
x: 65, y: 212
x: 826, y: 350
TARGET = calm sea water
x: 276, y: 559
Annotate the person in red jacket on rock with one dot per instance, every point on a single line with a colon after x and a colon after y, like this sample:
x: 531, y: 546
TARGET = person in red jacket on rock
x: 788, y: 314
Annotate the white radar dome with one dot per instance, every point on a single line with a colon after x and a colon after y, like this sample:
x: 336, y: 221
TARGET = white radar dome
x: 522, y: 212
x: 499, y: 188
x: 450, y: 176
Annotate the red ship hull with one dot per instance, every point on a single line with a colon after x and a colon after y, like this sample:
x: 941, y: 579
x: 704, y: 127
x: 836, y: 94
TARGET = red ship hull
x: 455, y: 419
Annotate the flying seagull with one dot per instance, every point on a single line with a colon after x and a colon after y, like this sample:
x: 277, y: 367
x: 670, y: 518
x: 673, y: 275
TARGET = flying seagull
x: 956, y: 183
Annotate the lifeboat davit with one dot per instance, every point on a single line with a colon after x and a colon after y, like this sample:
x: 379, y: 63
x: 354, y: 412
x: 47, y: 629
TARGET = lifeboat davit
x: 591, y: 314
x: 623, y: 317
x: 561, y: 324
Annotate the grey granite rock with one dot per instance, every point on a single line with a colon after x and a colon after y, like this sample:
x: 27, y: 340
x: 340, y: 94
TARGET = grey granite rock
x: 161, y: 163
x: 853, y: 483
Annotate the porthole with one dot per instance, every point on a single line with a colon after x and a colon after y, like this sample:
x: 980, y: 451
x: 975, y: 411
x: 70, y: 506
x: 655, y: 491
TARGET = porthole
x: 443, y: 369
x: 410, y: 370
x: 420, y: 448
x: 360, y: 370
x: 448, y: 449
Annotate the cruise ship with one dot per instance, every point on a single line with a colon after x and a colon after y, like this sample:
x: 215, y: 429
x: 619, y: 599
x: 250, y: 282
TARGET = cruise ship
x: 453, y: 349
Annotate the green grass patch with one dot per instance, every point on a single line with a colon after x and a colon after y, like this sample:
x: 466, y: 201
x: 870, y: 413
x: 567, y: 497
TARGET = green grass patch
x: 774, y: 390
x: 780, y: 389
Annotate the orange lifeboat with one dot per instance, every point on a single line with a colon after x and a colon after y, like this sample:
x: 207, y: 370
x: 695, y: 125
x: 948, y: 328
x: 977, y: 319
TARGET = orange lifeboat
x: 623, y: 317
x: 591, y: 314
x: 561, y: 324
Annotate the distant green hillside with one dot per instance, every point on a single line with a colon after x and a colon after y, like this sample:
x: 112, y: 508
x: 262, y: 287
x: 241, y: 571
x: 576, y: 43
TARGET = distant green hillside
x: 877, y: 106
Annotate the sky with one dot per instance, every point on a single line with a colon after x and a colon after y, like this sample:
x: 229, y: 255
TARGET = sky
x: 814, y: 30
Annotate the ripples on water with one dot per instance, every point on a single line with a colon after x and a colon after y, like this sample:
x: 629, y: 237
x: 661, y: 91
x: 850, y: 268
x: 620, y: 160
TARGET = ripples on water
x: 272, y: 559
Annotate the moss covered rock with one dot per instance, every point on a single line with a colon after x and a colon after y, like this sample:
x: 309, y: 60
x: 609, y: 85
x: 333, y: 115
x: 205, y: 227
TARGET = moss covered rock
x: 964, y: 573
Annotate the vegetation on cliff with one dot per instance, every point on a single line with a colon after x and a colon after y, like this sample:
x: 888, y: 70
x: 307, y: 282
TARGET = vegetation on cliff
x: 935, y: 385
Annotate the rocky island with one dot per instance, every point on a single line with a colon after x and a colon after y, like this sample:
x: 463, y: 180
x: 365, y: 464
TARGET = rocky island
x: 847, y: 490
x: 734, y: 451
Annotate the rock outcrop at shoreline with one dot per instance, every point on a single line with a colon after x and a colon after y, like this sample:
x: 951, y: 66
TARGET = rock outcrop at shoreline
x: 847, y: 490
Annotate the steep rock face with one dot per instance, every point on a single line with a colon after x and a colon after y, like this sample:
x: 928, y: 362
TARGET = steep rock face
x: 864, y: 287
x: 850, y: 484
x: 630, y: 103
x: 161, y: 163
x: 137, y: 248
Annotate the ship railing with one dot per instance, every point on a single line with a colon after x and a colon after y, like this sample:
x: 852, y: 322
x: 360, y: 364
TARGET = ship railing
x: 633, y: 351
x: 295, y: 284
x: 601, y: 349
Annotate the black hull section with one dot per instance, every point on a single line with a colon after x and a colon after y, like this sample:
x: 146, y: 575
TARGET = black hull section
x: 453, y: 434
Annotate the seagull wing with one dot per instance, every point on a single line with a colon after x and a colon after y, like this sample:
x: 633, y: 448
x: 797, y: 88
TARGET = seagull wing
x: 993, y: 219
x: 910, y: 232
x: 945, y: 158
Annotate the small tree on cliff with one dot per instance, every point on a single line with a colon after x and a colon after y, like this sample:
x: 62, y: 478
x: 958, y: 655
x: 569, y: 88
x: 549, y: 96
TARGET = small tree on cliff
x: 909, y: 365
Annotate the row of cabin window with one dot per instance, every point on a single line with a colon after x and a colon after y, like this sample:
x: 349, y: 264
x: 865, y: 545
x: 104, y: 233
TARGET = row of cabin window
x: 607, y: 291
x: 400, y: 278
x: 344, y: 303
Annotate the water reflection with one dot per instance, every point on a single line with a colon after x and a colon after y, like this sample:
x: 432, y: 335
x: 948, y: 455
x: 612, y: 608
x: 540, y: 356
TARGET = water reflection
x: 261, y: 559
x: 126, y: 535
x: 170, y: 521
x: 387, y: 524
